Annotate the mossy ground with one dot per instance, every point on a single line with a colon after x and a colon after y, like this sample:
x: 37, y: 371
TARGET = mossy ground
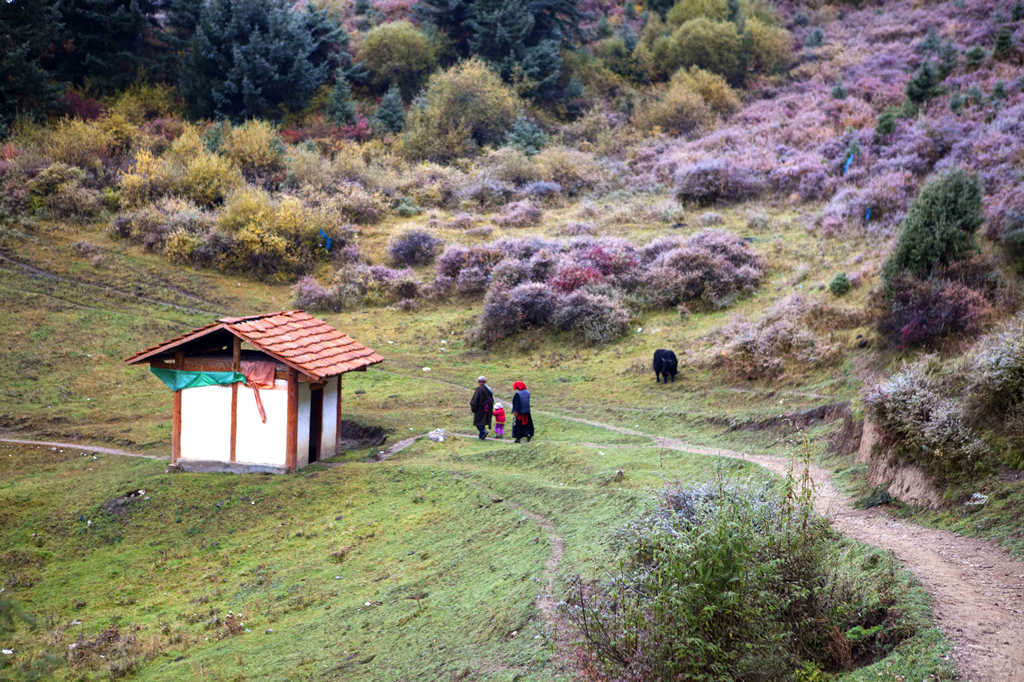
x: 410, y: 568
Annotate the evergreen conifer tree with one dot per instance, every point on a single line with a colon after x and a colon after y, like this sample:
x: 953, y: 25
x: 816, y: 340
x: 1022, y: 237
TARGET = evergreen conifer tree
x: 924, y: 85
x: 109, y: 42
x: 1004, y: 43
x: 520, y: 38
x: 939, y: 227
x: 250, y: 58
x: 340, y: 107
x: 28, y: 29
x: 390, y: 115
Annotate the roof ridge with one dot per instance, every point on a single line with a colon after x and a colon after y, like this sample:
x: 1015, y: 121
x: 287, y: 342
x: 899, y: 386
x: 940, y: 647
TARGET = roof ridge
x: 249, y: 318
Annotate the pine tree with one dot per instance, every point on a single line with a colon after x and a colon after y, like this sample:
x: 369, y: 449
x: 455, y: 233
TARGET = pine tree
x: 1004, y: 44
x: 923, y: 86
x: 975, y: 56
x: 948, y: 60
x: 520, y: 38
x: 109, y: 42
x: 28, y: 29
x: 251, y: 58
x: 340, y: 107
x: 390, y: 115
x: 939, y: 227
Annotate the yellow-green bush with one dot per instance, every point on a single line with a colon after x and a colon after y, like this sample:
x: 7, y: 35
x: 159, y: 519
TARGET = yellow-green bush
x: 398, y: 53
x: 713, y: 89
x: 253, y: 146
x: 464, y: 108
x: 147, y: 100
x: 679, y: 110
x: 684, y: 10
x: 186, y: 146
x: 245, y: 206
x: 574, y: 170
x: 711, y: 45
x: 306, y: 167
x: 151, y: 177
x: 75, y: 142
x: 771, y: 47
x: 512, y: 165
x: 181, y: 245
x: 208, y: 178
x: 258, y: 249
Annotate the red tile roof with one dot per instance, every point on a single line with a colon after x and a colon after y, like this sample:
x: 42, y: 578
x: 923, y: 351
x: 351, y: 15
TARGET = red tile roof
x: 293, y: 337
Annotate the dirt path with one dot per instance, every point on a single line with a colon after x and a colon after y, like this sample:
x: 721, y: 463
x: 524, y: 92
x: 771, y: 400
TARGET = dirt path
x: 977, y: 589
x: 79, y: 446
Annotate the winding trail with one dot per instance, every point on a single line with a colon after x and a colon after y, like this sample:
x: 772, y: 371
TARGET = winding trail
x: 977, y: 589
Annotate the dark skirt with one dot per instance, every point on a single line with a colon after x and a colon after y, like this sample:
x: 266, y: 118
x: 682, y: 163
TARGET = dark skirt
x: 523, y: 426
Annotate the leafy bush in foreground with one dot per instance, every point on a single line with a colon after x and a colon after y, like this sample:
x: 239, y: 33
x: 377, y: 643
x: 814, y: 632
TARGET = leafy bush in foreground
x: 727, y: 582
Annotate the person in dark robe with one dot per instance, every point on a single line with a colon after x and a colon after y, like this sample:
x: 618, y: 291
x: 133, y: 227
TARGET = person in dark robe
x: 522, y: 421
x: 482, y: 405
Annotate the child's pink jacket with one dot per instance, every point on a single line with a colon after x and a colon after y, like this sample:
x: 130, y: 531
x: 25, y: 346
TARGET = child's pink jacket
x: 499, y: 415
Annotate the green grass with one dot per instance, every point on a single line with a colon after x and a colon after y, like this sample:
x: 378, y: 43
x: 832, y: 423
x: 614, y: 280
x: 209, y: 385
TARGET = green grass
x: 433, y: 539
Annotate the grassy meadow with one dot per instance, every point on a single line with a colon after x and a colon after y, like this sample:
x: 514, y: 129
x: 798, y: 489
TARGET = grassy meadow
x: 427, y: 565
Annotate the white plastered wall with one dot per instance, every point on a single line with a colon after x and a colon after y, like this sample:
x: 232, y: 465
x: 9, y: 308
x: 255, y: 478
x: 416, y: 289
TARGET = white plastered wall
x: 206, y: 423
x: 256, y: 442
x: 302, y: 439
x: 330, y: 418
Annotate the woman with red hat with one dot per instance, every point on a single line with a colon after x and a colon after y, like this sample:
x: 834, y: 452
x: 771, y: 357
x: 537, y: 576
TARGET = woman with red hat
x: 522, y: 422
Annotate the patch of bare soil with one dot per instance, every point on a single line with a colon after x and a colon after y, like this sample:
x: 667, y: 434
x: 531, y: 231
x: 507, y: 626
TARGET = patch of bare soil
x: 355, y: 436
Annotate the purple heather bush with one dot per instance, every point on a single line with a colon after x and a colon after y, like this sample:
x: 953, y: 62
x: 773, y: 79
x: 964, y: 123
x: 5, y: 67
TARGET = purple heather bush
x: 414, y: 247
x: 541, y: 190
x: 590, y: 318
x: 713, y: 181
x: 520, y: 214
x: 920, y: 313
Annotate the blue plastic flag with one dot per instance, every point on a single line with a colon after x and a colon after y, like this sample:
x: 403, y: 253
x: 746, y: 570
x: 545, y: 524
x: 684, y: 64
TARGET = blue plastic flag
x: 847, y: 166
x: 867, y: 216
x: 327, y: 241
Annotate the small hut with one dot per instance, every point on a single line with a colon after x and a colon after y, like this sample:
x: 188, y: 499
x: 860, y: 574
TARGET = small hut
x: 256, y: 394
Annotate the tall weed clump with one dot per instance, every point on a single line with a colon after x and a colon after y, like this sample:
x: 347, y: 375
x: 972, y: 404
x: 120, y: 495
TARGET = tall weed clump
x: 723, y: 581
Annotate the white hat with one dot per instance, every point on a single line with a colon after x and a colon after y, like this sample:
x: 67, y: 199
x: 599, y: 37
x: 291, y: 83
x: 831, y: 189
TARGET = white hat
x: 497, y: 405
x: 481, y: 378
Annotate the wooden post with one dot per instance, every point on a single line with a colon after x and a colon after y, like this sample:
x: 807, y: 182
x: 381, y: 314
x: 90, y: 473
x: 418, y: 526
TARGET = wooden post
x: 236, y: 363
x: 292, y: 438
x: 337, y: 424
x: 179, y: 362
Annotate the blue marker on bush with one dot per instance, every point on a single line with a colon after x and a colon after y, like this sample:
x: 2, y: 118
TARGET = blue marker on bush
x: 848, y: 162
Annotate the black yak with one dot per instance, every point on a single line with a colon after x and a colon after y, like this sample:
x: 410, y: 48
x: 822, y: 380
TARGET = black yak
x: 665, y: 365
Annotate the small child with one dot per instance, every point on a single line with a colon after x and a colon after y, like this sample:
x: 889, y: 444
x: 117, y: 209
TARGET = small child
x: 499, y: 420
